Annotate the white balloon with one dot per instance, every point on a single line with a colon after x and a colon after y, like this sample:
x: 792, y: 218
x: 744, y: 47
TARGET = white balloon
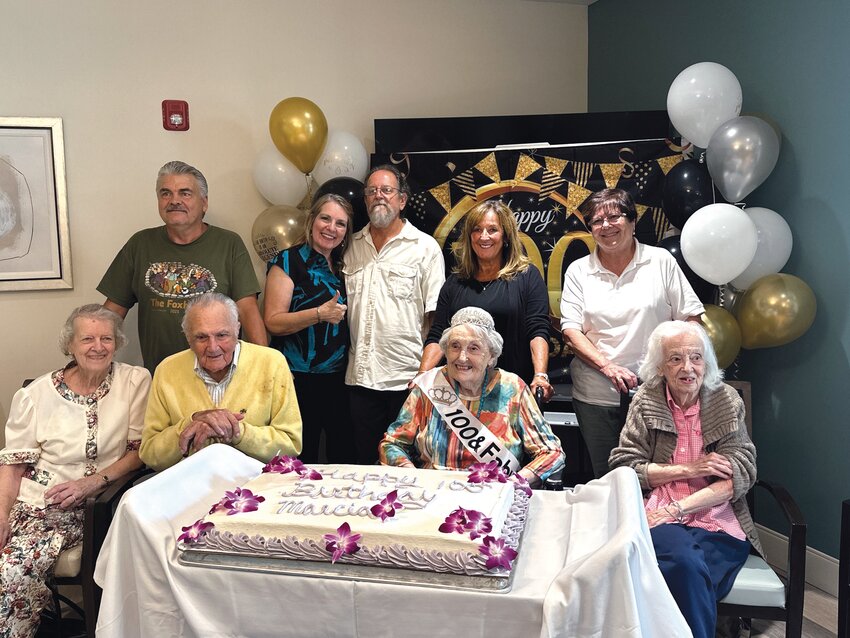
x: 344, y: 156
x: 701, y: 98
x: 277, y: 179
x: 718, y: 242
x: 774, y: 247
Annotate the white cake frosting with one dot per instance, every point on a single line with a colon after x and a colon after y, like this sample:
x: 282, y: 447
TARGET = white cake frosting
x: 298, y: 512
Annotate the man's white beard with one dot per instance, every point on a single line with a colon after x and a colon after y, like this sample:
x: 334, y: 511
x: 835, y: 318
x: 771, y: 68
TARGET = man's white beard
x: 381, y: 216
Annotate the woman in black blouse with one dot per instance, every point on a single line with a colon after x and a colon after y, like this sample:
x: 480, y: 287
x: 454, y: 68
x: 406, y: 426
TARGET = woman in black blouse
x: 493, y: 273
x: 304, y: 310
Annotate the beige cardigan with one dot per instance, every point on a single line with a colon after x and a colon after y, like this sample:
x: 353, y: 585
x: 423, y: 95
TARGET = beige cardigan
x: 649, y: 436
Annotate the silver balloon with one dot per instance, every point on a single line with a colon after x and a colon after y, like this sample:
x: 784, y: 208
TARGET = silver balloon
x: 740, y: 156
x: 729, y: 297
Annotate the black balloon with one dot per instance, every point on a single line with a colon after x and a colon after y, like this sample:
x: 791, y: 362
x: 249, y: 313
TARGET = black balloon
x: 350, y: 189
x: 687, y: 188
x: 705, y: 290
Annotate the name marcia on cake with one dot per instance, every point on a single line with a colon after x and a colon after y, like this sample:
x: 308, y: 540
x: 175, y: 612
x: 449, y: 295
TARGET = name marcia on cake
x: 412, y: 496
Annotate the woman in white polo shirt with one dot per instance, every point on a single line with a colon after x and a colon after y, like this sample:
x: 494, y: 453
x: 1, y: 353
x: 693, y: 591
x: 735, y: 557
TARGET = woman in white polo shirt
x: 612, y: 300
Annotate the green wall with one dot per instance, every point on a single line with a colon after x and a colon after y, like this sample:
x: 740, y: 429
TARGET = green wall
x: 791, y: 58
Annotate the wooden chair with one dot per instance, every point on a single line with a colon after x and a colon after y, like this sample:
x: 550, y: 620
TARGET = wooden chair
x: 75, y: 566
x: 758, y: 592
x: 844, y: 573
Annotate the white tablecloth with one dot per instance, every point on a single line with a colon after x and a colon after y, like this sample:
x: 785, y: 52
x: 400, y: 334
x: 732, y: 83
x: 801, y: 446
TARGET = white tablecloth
x: 586, y: 568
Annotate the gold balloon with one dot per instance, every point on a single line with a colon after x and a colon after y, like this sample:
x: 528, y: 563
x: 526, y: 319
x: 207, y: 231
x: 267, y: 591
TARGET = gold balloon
x: 775, y: 310
x: 724, y: 333
x: 299, y: 130
x: 277, y: 228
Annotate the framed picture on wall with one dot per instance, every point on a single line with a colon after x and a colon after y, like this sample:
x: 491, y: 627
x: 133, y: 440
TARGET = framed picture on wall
x: 35, y: 248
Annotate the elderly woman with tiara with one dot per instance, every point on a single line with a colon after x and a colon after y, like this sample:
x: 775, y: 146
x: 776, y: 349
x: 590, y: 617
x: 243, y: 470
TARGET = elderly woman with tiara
x: 469, y: 411
x: 494, y: 273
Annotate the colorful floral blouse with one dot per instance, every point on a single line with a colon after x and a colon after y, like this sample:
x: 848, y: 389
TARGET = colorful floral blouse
x: 507, y: 408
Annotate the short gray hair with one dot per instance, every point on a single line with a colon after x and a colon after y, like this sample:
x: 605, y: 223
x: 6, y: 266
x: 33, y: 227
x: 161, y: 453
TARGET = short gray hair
x: 176, y: 167
x: 205, y: 301
x: 98, y: 313
x: 650, y: 369
x: 481, y: 323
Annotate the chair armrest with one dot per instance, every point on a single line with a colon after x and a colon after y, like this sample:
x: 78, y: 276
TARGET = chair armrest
x: 112, y: 494
x: 786, y: 502
x: 796, y: 567
x: 98, y: 515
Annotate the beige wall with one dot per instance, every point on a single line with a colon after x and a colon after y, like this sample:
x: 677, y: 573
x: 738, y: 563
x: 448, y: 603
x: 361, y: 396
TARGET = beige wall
x: 104, y: 67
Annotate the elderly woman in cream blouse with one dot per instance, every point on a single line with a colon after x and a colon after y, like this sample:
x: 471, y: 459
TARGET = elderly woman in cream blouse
x: 70, y: 433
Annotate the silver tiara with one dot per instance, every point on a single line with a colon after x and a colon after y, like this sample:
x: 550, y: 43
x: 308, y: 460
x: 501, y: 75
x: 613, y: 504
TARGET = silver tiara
x: 477, y: 316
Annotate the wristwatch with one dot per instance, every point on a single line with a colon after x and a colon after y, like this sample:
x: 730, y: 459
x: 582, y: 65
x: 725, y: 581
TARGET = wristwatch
x: 105, y: 478
x: 542, y: 374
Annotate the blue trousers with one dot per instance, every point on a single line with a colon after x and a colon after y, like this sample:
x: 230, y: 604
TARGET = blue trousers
x: 700, y: 568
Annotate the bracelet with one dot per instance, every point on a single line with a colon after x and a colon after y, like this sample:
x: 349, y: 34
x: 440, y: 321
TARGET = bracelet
x: 679, y: 514
x: 318, y: 316
x: 543, y: 375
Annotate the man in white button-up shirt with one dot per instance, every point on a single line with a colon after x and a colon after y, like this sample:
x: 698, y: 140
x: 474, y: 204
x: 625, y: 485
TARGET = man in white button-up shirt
x: 393, y: 275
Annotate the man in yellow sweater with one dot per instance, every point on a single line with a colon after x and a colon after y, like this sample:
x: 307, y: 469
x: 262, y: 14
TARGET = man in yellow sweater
x: 220, y: 390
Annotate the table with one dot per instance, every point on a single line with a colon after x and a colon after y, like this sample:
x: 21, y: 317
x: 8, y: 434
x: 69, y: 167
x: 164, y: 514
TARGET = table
x: 586, y: 568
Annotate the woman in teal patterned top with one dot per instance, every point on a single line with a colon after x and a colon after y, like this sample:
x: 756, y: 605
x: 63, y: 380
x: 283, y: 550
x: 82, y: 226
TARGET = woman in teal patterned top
x: 304, y: 310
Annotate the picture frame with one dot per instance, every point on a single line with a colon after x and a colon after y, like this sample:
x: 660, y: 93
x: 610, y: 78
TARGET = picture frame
x: 35, y: 245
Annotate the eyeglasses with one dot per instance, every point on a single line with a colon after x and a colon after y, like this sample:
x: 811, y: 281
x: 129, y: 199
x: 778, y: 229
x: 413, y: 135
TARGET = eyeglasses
x: 611, y: 219
x: 386, y: 191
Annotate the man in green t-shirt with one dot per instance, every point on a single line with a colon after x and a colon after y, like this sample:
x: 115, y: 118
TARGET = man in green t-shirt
x: 162, y: 268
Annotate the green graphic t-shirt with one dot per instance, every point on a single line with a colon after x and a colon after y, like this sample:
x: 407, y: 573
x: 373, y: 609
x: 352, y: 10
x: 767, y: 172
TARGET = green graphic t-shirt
x: 162, y: 276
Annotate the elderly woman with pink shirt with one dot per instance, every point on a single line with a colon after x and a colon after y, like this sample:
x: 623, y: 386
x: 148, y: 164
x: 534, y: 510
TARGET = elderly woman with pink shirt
x: 685, y: 437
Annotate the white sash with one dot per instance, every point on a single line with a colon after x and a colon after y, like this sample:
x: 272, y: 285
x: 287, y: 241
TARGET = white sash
x: 474, y: 435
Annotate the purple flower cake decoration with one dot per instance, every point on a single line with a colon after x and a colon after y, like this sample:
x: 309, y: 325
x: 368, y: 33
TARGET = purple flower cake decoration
x: 521, y: 484
x: 387, y: 507
x: 462, y: 521
x: 195, y: 532
x: 343, y: 542
x: 309, y: 474
x: 477, y: 524
x: 498, y: 554
x: 221, y: 505
x: 240, y: 501
x: 286, y: 464
x: 454, y: 522
x: 283, y: 465
x: 486, y: 473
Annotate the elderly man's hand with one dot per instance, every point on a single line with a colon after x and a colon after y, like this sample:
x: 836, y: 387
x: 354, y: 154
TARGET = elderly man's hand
x: 195, y: 437
x: 224, y: 423
x: 712, y: 464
